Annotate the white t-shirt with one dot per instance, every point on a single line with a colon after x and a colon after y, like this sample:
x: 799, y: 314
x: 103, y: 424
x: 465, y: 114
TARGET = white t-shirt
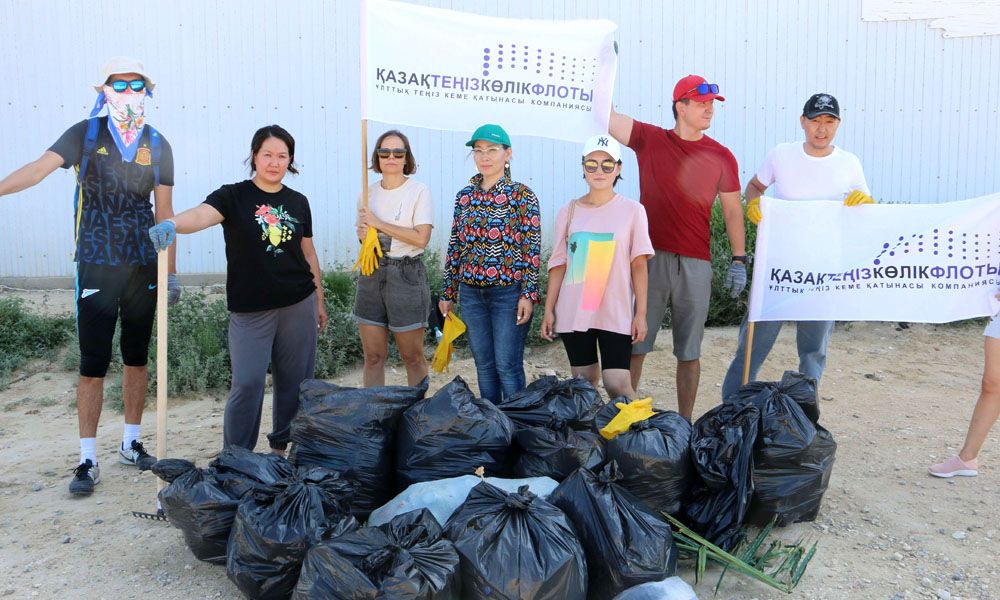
x: 797, y: 176
x: 408, y: 205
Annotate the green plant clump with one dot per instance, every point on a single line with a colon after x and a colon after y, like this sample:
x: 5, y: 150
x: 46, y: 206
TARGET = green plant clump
x: 25, y: 335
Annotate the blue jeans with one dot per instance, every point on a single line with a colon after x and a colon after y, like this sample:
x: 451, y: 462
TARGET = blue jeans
x: 811, y: 337
x: 496, y: 340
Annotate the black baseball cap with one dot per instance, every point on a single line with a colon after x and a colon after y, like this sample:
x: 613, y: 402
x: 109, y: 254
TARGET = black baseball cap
x: 821, y: 104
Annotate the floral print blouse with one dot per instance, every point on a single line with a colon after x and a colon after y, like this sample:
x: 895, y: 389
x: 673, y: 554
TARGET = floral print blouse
x: 495, y: 239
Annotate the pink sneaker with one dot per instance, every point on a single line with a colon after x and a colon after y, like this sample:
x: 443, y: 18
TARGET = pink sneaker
x: 955, y: 466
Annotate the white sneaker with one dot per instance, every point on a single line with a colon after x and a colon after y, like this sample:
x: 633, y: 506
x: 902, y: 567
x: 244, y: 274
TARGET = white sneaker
x: 85, y: 477
x: 136, y: 455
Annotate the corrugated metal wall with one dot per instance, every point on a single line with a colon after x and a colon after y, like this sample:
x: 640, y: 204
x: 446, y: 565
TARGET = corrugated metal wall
x: 920, y: 110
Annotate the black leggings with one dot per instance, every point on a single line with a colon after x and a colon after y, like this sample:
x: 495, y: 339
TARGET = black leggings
x: 582, y: 346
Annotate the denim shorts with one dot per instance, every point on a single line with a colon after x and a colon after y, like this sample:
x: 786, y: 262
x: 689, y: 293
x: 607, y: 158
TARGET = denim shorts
x: 396, y: 296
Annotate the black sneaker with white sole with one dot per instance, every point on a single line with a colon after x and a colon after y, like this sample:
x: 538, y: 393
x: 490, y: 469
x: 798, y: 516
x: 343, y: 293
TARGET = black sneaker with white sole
x: 136, y: 455
x: 85, y: 477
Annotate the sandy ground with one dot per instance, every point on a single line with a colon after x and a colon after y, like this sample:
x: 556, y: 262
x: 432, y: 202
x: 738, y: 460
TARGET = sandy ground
x: 895, y: 399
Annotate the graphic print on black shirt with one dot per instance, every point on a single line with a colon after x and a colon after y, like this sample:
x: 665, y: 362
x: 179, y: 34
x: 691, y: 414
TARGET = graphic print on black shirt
x: 265, y: 265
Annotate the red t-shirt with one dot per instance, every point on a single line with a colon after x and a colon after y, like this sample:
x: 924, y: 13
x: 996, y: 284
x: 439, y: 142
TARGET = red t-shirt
x: 678, y: 182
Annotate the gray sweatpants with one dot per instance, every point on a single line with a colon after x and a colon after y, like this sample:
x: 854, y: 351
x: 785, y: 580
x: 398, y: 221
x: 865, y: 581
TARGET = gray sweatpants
x: 285, y: 338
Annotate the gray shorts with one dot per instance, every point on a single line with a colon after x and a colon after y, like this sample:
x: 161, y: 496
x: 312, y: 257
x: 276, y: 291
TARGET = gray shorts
x: 396, y: 296
x: 685, y: 284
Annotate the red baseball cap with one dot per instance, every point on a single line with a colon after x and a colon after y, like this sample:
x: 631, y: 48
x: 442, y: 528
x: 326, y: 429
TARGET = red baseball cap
x: 687, y: 88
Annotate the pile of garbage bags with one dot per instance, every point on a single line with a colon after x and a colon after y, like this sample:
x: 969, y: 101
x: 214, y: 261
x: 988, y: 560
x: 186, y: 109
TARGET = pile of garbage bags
x: 390, y: 493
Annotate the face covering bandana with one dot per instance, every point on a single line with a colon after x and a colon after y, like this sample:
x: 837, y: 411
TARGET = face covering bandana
x: 126, y: 119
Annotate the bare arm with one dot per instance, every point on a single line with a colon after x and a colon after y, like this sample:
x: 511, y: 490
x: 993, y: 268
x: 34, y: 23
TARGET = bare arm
x: 556, y: 276
x: 31, y: 173
x: 309, y: 252
x: 732, y: 213
x: 417, y: 236
x: 754, y: 189
x: 620, y: 127
x: 640, y: 286
x: 197, y: 218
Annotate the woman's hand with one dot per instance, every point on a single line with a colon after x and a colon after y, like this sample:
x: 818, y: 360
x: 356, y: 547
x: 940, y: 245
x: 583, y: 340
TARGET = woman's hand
x: 639, y: 328
x: 321, y: 317
x: 445, y: 306
x: 524, y: 308
x: 548, y: 326
x: 362, y: 230
x: 368, y: 219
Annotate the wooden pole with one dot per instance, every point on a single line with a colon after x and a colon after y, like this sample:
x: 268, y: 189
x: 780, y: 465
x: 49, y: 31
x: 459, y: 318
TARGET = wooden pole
x: 161, y: 360
x: 748, y: 354
x: 364, y: 163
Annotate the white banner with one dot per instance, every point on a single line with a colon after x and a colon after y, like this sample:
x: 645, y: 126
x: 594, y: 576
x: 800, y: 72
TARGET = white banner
x: 444, y: 69
x: 929, y: 263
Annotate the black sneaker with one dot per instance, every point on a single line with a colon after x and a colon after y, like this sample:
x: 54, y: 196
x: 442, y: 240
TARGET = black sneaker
x: 85, y: 477
x: 136, y: 455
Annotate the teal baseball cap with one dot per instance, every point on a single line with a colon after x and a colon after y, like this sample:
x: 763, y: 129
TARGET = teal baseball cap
x: 490, y: 133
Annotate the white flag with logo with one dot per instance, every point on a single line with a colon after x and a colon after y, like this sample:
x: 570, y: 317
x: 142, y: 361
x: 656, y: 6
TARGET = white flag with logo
x: 445, y: 69
x: 823, y: 261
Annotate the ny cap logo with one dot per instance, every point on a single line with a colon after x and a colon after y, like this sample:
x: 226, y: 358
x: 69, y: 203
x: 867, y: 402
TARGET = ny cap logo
x: 602, y: 141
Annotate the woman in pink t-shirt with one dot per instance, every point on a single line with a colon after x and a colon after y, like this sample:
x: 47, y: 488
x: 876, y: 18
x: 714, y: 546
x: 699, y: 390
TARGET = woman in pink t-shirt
x: 597, y: 274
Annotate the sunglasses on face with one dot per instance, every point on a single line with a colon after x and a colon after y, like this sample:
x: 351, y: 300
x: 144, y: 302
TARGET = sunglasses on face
x: 120, y: 85
x: 491, y: 152
x: 704, y: 88
x: 608, y: 166
x: 394, y: 152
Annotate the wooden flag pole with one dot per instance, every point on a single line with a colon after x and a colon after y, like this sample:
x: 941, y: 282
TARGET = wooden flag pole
x: 364, y: 163
x: 161, y: 359
x: 749, y: 352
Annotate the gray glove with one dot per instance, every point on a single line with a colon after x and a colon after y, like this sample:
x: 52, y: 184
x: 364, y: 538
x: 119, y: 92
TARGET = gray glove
x: 174, y: 289
x: 736, y: 279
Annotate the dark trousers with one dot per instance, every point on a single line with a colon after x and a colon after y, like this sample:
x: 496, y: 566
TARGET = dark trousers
x: 286, y: 339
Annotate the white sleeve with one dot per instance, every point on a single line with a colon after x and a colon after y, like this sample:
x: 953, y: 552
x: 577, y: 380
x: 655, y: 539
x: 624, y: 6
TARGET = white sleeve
x: 858, y: 181
x: 765, y: 174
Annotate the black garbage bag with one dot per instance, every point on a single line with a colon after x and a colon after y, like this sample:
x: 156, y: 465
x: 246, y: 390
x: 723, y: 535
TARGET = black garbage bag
x: 406, y: 558
x: 198, y: 505
x: 722, y: 444
x: 626, y: 542
x: 793, y: 457
x: 240, y: 470
x: 556, y: 450
x: 654, y: 456
x: 275, y: 527
x: 572, y: 400
x: 516, y: 547
x: 452, y: 433
x: 202, y: 503
x: 353, y: 431
x: 169, y: 469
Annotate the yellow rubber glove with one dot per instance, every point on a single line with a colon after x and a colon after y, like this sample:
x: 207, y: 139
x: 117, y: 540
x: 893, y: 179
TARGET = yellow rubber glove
x: 857, y: 197
x: 753, y: 211
x: 370, y: 253
x: 632, y: 412
x: 453, y: 327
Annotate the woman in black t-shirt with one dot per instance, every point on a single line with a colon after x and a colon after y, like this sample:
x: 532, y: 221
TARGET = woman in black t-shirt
x: 273, y: 286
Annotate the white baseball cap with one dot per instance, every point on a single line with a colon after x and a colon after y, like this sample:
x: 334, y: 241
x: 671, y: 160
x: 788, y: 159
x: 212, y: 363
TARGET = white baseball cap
x: 604, y: 143
x: 123, y: 64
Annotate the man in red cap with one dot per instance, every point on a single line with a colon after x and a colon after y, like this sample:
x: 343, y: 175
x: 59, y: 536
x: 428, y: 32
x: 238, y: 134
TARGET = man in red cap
x: 681, y: 172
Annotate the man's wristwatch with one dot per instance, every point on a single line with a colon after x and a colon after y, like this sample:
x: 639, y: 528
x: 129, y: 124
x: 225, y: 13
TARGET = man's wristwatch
x: 741, y: 258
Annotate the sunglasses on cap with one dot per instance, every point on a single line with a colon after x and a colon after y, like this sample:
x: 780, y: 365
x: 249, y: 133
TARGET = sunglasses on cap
x: 394, y: 152
x: 704, y: 88
x: 120, y: 85
x: 591, y: 165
